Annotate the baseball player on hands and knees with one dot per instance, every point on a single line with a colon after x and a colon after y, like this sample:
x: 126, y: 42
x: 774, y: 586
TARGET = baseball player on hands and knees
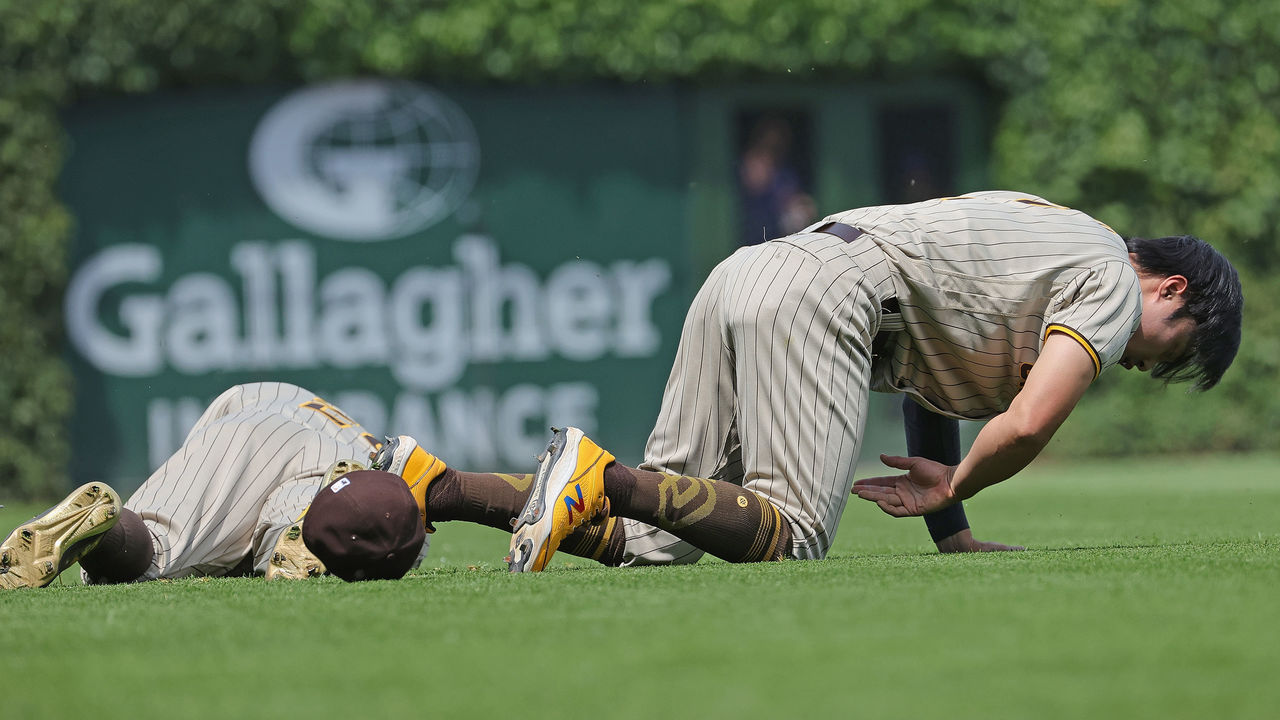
x: 993, y: 305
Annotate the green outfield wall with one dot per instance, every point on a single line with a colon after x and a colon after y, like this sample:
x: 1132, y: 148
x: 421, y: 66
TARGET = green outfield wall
x: 465, y: 265
x: 1158, y: 118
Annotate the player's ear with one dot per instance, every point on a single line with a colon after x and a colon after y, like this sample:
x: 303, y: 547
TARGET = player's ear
x: 1173, y: 286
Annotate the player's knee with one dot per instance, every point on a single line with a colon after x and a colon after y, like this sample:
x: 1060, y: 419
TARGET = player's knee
x: 808, y: 539
x: 772, y: 540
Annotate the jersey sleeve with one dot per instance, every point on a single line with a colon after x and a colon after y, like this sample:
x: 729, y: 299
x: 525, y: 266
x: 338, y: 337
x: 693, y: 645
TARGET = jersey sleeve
x: 1100, y: 309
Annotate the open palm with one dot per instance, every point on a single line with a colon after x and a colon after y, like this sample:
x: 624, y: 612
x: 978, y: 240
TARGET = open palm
x: 924, y: 489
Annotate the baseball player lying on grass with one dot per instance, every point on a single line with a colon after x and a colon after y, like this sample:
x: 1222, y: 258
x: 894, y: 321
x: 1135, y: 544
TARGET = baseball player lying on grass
x: 227, y: 502
x: 951, y: 301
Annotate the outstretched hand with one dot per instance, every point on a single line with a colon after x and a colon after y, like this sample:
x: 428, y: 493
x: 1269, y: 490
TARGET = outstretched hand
x: 924, y: 489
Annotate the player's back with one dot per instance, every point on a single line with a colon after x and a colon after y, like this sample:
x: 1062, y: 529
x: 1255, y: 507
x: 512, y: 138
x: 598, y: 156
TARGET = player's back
x: 994, y: 234
x: 980, y: 280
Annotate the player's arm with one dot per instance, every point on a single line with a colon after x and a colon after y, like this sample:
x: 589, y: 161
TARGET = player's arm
x: 937, y: 437
x: 1014, y: 438
x: 1007, y: 444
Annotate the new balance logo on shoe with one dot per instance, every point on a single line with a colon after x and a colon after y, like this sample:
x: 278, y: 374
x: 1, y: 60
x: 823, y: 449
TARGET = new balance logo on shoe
x: 573, y: 506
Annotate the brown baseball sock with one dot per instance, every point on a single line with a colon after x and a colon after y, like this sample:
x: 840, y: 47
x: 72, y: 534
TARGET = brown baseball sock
x: 123, y: 554
x: 721, y: 518
x: 485, y: 498
x: 602, y: 542
x: 493, y: 499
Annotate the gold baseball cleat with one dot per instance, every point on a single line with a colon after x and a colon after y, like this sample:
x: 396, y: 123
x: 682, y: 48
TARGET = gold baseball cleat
x: 36, y: 552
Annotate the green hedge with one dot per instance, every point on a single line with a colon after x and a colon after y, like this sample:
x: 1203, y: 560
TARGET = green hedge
x: 1157, y: 117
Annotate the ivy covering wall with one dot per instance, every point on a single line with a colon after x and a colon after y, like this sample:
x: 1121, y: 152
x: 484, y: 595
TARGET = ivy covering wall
x: 1158, y: 118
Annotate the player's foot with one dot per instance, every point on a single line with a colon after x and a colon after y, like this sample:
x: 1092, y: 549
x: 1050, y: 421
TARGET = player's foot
x: 34, y: 553
x: 567, y: 491
x: 290, y: 558
x: 403, y: 456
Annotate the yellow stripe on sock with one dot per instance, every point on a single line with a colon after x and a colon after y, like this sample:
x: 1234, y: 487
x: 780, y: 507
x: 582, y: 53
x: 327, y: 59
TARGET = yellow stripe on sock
x: 604, y: 538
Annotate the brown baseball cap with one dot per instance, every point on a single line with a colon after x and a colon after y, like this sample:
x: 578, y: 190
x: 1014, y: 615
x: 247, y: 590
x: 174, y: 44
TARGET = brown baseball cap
x: 365, y: 526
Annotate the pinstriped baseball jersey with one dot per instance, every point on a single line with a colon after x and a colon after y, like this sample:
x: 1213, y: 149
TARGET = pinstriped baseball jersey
x: 247, y: 470
x: 982, y: 280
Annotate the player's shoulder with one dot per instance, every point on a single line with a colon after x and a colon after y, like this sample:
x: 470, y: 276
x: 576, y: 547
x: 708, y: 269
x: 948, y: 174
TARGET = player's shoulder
x: 1018, y: 197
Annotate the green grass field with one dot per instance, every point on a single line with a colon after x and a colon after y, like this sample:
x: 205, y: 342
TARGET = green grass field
x: 1149, y: 591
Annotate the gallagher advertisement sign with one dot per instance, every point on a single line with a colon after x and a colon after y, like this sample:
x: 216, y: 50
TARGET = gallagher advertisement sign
x: 465, y: 266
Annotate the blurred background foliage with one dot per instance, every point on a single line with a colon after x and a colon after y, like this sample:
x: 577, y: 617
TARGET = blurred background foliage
x: 1158, y: 118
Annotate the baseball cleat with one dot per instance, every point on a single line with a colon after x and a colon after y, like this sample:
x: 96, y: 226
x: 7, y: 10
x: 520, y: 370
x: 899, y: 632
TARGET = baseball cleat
x: 567, y: 491
x: 290, y: 558
x: 34, y: 553
x: 403, y: 456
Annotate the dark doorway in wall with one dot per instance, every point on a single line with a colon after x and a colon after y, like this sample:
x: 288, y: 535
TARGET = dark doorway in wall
x: 774, y: 172
x: 917, y: 151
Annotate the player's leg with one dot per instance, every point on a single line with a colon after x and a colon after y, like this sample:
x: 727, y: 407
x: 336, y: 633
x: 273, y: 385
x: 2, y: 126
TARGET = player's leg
x: 204, y: 505
x: 570, y: 484
x: 702, y: 514
x: 445, y: 494
x: 680, y: 516
x: 578, y: 481
x: 804, y: 375
x: 91, y: 526
x: 798, y: 329
x: 124, y: 554
x: 137, y: 549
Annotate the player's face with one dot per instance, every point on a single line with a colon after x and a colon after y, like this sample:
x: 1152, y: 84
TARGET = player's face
x: 1159, y: 338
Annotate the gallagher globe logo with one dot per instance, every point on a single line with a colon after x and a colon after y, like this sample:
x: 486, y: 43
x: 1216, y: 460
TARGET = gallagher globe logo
x: 365, y: 160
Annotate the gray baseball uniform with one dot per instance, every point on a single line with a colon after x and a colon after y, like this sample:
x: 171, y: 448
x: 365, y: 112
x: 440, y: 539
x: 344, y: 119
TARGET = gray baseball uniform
x: 247, y: 470
x: 770, y: 383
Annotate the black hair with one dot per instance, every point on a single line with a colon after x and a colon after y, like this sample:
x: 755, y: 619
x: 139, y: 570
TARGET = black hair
x: 1213, y: 299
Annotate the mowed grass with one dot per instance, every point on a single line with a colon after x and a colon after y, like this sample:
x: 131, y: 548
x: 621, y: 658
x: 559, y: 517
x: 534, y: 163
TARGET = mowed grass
x: 1149, y: 590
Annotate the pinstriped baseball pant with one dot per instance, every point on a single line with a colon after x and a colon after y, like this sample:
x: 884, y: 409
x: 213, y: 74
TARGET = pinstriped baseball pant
x: 769, y: 386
